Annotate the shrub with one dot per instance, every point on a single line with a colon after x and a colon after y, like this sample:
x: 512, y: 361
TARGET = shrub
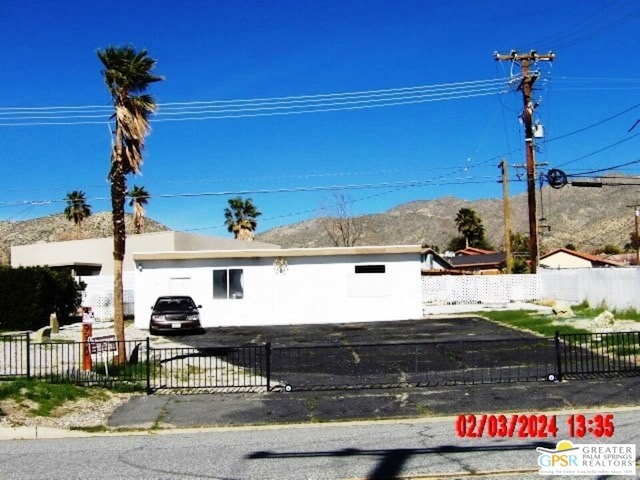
x: 28, y: 296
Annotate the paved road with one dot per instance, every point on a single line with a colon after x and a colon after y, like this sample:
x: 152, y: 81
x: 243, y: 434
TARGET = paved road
x: 418, y: 448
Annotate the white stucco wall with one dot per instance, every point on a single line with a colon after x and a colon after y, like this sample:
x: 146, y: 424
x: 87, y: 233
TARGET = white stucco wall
x: 312, y: 289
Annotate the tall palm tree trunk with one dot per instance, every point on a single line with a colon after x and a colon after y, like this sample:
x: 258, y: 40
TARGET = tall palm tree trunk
x: 118, y: 192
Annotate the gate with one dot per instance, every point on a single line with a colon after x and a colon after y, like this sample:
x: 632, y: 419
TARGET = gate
x: 224, y: 369
x: 321, y: 367
x: 589, y: 354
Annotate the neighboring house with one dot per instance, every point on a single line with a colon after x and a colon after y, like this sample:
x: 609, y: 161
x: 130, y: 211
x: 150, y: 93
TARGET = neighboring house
x: 435, y: 264
x: 470, y: 261
x: 473, y: 251
x: 94, y: 256
x: 288, y: 286
x: 479, y: 263
x: 627, y: 259
x: 565, y: 258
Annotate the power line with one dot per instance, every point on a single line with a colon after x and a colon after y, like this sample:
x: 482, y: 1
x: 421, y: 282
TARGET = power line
x: 263, y: 111
x: 606, y: 169
x: 488, y: 161
x: 365, y: 186
x: 198, y: 110
x: 600, y: 150
x: 611, y: 16
x: 267, y: 100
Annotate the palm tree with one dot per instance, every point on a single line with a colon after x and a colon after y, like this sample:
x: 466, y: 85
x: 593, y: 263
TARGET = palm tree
x: 469, y: 225
x: 240, y: 218
x: 139, y: 198
x: 127, y: 74
x: 77, y: 209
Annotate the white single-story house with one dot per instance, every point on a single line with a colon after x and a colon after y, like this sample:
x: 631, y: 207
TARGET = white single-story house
x: 287, y: 286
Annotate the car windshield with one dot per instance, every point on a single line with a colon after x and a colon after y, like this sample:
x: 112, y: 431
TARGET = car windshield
x: 172, y: 304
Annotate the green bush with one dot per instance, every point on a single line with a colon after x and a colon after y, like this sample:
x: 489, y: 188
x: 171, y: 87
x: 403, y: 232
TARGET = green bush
x: 28, y: 296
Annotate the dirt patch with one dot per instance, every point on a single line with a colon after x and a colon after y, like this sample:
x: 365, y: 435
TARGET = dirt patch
x: 86, y: 412
x: 591, y: 325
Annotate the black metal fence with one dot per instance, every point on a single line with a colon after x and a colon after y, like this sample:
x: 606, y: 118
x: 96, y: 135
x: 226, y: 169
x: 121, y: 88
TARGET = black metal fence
x: 592, y: 354
x: 214, y: 369
x: 14, y: 357
x: 314, y: 367
x: 413, y: 364
x: 152, y: 369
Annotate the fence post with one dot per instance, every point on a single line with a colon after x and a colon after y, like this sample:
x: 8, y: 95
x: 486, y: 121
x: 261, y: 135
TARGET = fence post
x: 28, y: 355
x: 267, y: 349
x: 558, y: 357
x: 148, y: 366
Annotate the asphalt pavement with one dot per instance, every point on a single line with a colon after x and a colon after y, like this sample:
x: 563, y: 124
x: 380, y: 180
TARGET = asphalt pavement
x: 279, y: 407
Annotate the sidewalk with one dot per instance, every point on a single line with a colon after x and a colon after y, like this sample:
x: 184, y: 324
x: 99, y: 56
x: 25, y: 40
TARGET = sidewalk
x: 169, y: 413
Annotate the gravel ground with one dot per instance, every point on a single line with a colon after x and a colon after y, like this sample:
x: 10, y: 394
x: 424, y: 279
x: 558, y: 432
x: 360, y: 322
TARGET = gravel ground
x: 86, y: 412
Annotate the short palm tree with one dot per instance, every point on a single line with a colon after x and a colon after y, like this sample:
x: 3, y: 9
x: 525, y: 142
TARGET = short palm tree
x: 77, y: 209
x: 240, y: 218
x: 127, y: 74
x: 139, y: 198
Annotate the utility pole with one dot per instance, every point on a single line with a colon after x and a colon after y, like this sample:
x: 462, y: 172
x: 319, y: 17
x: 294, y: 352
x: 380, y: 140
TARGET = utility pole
x: 526, y: 86
x: 507, y: 216
x: 636, y: 214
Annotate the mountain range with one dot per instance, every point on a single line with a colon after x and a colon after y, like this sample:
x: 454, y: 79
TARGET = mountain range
x: 587, y: 218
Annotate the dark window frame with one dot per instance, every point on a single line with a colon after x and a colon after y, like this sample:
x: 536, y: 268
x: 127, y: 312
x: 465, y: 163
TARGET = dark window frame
x: 373, y: 268
x: 227, y: 283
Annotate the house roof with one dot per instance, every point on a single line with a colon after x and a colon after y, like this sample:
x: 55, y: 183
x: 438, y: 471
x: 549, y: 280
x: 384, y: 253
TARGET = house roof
x: 624, y: 258
x: 473, y: 251
x: 478, y: 260
x: 284, y: 252
x: 444, y: 263
x: 585, y: 256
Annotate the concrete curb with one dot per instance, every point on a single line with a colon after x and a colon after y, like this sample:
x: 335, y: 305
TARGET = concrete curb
x: 47, y: 433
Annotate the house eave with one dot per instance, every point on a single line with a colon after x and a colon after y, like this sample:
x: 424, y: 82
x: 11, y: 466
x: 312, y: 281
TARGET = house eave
x: 274, y: 253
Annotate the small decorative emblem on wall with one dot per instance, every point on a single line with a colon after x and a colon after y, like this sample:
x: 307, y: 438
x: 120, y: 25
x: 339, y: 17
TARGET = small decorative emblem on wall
x: 280, y: 264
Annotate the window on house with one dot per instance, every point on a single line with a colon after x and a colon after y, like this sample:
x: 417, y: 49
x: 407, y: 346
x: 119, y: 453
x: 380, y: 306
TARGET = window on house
x: 228, y: 283
x: 370, y: 269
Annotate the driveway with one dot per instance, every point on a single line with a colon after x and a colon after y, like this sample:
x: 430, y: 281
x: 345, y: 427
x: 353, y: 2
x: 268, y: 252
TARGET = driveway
x: 432, y: 329
x: 303, y: 405
x: 423, y: 352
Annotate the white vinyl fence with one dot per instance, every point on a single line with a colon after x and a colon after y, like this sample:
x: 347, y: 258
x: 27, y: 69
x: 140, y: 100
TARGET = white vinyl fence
x: 470, y: 289
x: 617, y: 288
x: 99, y: 295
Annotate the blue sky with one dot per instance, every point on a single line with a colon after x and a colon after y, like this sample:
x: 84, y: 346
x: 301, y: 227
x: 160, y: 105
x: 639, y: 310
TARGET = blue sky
x: 409, y: 147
